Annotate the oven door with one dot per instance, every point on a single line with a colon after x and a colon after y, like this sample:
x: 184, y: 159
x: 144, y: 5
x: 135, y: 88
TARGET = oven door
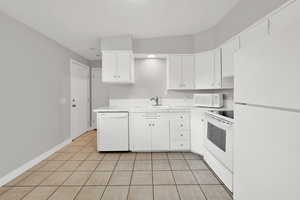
x: 218, y: 140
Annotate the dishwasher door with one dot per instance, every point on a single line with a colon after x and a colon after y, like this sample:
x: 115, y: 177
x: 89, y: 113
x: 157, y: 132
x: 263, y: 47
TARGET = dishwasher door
x: 112, y: 134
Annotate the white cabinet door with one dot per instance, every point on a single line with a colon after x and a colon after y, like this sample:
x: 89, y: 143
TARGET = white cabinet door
x: 109, y: 67
x: 217, y: 72
x: 180, y: 72
x: 160, y: 133
x: 188, y: 76
x: 228, y: 50
x: 174, y: 72
x: 254, y: 34
x: 124, y: 66
x: 204, y: 70
x: 141, y: 132
x: 285, y: 18
x: 198, y: 131
x: 117, y: 67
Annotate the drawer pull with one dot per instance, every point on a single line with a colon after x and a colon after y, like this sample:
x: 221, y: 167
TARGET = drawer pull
x: 181, y: 125
x: 181, y: 134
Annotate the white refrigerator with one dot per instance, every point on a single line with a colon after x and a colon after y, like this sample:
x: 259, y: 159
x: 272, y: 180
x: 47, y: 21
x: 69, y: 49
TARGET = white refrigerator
x: 267, y: 117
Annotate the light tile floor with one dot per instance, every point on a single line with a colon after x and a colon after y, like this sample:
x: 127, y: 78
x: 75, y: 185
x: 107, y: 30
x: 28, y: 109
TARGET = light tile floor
x: 79, y: 172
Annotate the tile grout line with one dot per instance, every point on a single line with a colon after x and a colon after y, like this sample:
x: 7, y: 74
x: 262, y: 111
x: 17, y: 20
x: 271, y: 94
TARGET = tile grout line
x: 107, y: 184
x: 152, y: 171
x: 174, y: 178
x: 91, y: 172
x: 72, y: 172
x: 199, y: 186
x: 131, y: 176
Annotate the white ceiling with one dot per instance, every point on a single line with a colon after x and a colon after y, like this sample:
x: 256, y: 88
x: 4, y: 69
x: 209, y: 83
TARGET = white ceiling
x: 79, y: 24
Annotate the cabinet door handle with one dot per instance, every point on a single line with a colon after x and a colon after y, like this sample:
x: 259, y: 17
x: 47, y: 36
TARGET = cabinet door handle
x: 181, y: 125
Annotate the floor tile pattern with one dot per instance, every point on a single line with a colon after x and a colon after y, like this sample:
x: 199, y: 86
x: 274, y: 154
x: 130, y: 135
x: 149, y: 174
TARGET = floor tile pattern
x: 79, y: 172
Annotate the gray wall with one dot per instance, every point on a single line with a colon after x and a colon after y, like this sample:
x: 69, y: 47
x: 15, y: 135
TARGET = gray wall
x: 34, y: 80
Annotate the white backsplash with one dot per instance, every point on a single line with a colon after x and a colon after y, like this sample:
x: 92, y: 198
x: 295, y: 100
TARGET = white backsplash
x: 164, y: 101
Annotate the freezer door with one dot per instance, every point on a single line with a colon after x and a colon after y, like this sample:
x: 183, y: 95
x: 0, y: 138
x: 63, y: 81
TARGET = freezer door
x: 267, y: 72
x: 266, y: 154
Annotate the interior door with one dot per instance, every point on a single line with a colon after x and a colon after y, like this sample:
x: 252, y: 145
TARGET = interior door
x: 188, y: 66
x: 80, y: 109
x: 160, y: 140
x: 174, y: 72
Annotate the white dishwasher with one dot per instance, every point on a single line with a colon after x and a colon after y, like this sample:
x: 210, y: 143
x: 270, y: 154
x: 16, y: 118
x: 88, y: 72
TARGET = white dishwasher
x: 112, y: 131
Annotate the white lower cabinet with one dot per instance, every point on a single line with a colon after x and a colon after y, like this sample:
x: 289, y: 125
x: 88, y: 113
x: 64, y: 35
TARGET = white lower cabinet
x: 160, y: 139
x: 160, y: 131
x: 180, y: 132
x: 150, y: 132
x: 198, y: 131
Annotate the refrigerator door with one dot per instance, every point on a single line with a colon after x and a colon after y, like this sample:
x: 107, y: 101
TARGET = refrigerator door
x: 266, y: 154
x: 267, y: 72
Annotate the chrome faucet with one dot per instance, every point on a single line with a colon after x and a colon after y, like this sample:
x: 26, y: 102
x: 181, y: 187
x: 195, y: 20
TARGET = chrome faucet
x: 156, y: 99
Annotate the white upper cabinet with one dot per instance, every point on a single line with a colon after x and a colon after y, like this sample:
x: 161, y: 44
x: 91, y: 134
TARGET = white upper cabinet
x: 254, y: 34
x: 180, y: 73
x: 208, y: 70
x: 117, y: 67
x: 285, y: 18
x: 188, y: 70
x: 228, y: 51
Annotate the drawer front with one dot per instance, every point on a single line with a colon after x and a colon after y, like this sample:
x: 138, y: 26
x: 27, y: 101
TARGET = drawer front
x: 180, y: 135
x: 180, y: 145
x: 181, y: 116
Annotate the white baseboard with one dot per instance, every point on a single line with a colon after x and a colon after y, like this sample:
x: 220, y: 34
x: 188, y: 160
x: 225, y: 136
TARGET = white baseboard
x: 10, y: 176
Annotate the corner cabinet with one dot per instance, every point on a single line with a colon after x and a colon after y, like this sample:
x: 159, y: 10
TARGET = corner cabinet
x: 180, y: 72
x: 208, y: 70
x: 117, y: 67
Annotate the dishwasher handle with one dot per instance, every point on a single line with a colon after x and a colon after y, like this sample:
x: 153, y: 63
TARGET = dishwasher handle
x: 114, y: 115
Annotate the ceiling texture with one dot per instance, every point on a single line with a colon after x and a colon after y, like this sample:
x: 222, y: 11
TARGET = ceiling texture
x: 80, y: 24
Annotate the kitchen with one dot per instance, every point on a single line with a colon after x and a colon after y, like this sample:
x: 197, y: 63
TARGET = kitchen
x: 209, y: 115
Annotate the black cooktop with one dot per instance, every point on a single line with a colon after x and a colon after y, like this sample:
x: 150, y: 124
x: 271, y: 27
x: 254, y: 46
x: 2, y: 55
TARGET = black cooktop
x: 226, y: 113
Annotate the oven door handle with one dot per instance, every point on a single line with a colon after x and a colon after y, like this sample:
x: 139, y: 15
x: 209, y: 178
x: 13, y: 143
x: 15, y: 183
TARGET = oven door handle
x: 219, y: 123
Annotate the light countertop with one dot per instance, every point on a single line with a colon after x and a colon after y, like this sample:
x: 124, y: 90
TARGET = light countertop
x: 137, y: 109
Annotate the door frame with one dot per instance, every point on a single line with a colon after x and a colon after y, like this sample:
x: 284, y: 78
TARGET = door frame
x: 72, y: 61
